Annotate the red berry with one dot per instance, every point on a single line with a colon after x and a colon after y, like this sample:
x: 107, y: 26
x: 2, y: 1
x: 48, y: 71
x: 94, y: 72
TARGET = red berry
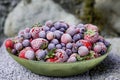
x: 86, y: 43
x: 9, y: 44
x: 52, y: 59
x: 22, y: 54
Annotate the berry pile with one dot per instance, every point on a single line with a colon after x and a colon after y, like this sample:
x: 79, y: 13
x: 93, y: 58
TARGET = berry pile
x: 58, y: 42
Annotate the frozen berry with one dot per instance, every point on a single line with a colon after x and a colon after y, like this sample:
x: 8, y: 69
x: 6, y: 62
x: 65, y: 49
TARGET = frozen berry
x: 50, y: 35
x: 26, y: 43
x: 65, y: 38
x: 18, y: 46
x: 83, y: 51
x: 9, y: 44
x: 30, y: 54
x: 42, y: 34
x: 72, y: 59
x: 40, y: 54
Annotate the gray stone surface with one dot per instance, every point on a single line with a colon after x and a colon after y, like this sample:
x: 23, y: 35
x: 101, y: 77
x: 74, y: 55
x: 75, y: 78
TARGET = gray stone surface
x: 25, y: 15
x: 109, y: 69
x: 111, y: 8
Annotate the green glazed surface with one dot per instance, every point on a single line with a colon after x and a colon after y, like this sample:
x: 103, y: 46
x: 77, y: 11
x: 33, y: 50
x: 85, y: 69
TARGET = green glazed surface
x: 59, y: 69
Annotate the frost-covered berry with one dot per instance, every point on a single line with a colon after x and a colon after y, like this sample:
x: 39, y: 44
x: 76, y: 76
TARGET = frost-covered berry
x: 61, y: 55
x: 48, y: 23
x: 27, y: 30
x: 65, y: 38
x: 72, y: 59
x: 57, y: 34
x: 55, y: 41
x: 69, y: 45
x: 26, y: 43
x: 58, y: 46
x: 50, y: 35
x: 27, y: 35
x: 51, y: 46
x: 83, y: 51
x: 91, y: 27
x: 42, y: 34
x: 39, y: 43
x: 40, y: 54
x: 35, y: 32
x: 68, y: 51
x: 29, y: 54
x: 97, y: 48
x: 18, y: 46
x: 71, y: 31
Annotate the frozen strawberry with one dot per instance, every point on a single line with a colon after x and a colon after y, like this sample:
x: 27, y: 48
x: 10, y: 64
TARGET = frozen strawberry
x: 22, y: 52
x: 91, y: 27
x: 9, y: 44
x: 86, y: 43
x: 61, y: 55
x: 100, y: 47
x: 54, y: 59
x: 91, y: 36
x: 39, y: 43
x: 35, y: 32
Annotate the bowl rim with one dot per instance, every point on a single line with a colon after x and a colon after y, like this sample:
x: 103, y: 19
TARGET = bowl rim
x: 108, y: 51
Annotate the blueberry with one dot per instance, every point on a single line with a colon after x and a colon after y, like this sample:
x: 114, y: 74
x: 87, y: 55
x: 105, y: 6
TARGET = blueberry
x: 102, y: 52
x: 69, y: 52
x: 69, y: 45
x: 107, y: 44
x: 42, y: 34
x: 55, y: 41
x: 26, y: 43
x: 58, y: 46
x: 51, y: 46
x: 14, y: 51
x: 52, y: 29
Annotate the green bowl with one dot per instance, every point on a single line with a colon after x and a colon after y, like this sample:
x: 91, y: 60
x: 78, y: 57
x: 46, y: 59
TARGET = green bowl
x: 59, y: 69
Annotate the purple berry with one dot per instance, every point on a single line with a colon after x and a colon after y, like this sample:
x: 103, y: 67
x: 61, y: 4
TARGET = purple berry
x: 58, y: 46
x: 72, y: 59
x: 27, y: 35
x: 78, y: 44
x: 57, y: 34
x: 42, y: 34
x: 55, y: 41
x: 62, y: 29
x: 52, y: 29
x: 50, y: 35
x: 71, y: 31
x: 30, y: 54
x: 14, y: 51
x: 69, y: 45
x: 76, y: 37
x: 46, y: 28
x: 26, y: 43
x: 57, y: 25
x: 80, y: 25
x: 27, y: 30
x: 83, y: 51
x: 66, y: 38
x: 63, y: 48
x: 63, y: 25
x: 51, y: 46
x: 69, y: 52
x: 107, y: 44
x: 18, y: 46
x: 63, y: 44
x: 40, y: 54
x: 49, y: 23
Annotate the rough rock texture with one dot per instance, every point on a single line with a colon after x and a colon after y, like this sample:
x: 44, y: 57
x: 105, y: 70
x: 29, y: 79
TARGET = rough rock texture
x: 111, y: 8
x: 5, y: 7
x: 109, y: 69
x: 25, y: 15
